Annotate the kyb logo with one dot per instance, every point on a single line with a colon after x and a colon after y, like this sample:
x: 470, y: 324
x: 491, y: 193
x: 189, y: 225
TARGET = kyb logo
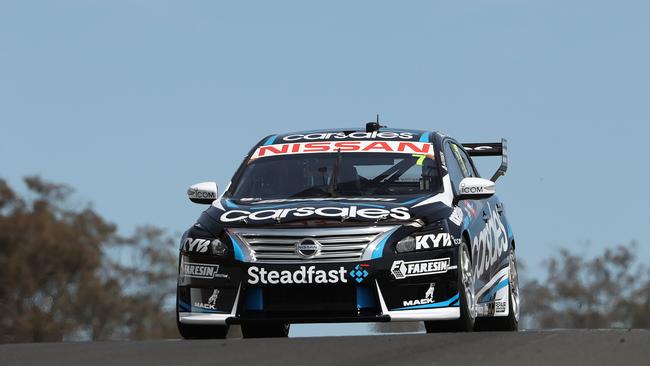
x: 401, y: 269
x: 200, y: 270
x: 304, y: 275
x: 196, y: 245
x: 432, y: 241
x: 397, y: 213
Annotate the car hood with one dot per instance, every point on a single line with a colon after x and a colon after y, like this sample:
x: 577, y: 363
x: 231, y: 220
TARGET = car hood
x: 321, y: 211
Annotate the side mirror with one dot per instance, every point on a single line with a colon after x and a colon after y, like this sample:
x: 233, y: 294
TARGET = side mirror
x: 204, y: 193
x: 475, y: 188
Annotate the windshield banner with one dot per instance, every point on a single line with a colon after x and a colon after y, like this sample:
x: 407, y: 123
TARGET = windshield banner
x: 420, y: 148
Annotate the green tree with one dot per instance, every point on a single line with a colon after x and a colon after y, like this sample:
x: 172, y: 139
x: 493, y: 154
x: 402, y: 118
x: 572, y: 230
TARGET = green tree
x: 57, y: 280
x: 609, y: 290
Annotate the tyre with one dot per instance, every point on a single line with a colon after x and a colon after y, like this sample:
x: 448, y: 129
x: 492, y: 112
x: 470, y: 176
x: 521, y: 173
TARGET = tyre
x: 508, y: 323
x: 265, y: 330
x: 199, y: 331
x: 466, y: 296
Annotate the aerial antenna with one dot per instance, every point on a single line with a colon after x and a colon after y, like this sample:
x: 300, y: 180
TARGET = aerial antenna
x: 373, y: 126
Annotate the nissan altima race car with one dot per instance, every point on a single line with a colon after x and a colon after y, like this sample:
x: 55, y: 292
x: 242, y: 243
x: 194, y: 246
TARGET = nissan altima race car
x: 350, y: 225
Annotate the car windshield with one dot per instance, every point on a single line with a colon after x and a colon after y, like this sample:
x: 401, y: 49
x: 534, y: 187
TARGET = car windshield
x: 336, y: 175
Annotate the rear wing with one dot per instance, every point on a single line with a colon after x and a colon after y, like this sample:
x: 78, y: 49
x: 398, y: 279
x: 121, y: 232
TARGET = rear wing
x: 491, y: 149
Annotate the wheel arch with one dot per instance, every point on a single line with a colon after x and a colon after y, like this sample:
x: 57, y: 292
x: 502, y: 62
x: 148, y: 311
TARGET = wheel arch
x: 467, y: 239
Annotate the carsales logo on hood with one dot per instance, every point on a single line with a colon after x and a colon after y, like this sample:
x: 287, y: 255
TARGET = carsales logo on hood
x: 397, y: 213
x: 402, y: 147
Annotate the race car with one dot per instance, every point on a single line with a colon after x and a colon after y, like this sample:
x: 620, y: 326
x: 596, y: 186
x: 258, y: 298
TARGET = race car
x: 350, y: 225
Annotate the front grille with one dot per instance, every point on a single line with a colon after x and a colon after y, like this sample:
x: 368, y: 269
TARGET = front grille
x: 336, y: 244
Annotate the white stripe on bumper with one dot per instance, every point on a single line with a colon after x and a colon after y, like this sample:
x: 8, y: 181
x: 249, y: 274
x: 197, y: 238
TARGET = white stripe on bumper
x: 207, y: 318
x: 448, y: 313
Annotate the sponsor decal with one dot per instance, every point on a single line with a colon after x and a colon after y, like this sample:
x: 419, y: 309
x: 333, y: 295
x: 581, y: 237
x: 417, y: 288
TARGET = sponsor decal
x: 432, y: 241
x: 464, y: 189
x: 201, y: 270
x: 308, y: 248
x: 411, y: 147
x: 500, y: 307
x: 257, y: 201
x: 401, y: 269
x: 428, y: 298
x: 212, y: 302
x: 353, y: 135
x: 359, y: 272
x: 303, y: 275
x: 490, y: 244
x: 456, y: 216
x: 478, y: 148
x: 195, y: 193
x: 484, y: 309
x: 196, y: 245
x: 398, y: 213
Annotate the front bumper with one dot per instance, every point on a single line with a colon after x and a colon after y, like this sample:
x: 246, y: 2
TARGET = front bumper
x: 363, y: 291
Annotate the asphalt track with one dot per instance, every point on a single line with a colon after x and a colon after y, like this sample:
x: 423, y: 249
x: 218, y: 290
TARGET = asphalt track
x: 562, y: 347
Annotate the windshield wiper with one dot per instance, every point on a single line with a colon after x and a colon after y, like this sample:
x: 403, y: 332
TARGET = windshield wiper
x: 334, y: 179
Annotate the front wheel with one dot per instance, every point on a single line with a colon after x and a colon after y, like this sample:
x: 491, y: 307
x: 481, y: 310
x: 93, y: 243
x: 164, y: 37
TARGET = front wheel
x: 271, y: 330
x: 508, y: 323
x: 196, y: 331
x: 466, y: 296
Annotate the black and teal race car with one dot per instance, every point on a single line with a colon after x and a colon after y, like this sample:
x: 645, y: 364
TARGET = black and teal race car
x: 350, y: 225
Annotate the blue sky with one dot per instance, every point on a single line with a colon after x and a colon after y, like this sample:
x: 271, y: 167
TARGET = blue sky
x: 131, y: 102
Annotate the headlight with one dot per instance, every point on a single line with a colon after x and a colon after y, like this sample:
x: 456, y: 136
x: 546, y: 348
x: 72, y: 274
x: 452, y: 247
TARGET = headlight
x: 433, y: 236
x: 406, y: 245
x: 219, y: 248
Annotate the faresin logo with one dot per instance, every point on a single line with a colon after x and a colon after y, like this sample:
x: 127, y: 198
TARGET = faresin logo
x: 400, y: 147
x: 397, y: 213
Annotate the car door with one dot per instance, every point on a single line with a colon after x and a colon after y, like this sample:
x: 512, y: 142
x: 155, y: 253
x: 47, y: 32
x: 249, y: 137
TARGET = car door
x: 477, y: 211
x: 487, y: 228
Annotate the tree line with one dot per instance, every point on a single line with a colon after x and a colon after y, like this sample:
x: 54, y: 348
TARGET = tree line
x: 66, y: 273
x: 60, y: 277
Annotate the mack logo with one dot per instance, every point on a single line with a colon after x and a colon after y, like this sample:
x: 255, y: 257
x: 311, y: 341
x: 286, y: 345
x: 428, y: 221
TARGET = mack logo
x: 432, y: 241
x: 200, y: 270
x: 303, y: 275
x: 401, y: 269
x: 428, y: 298
x: 212, y: 301
x: 196, y: 245
x: 203, y: 305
